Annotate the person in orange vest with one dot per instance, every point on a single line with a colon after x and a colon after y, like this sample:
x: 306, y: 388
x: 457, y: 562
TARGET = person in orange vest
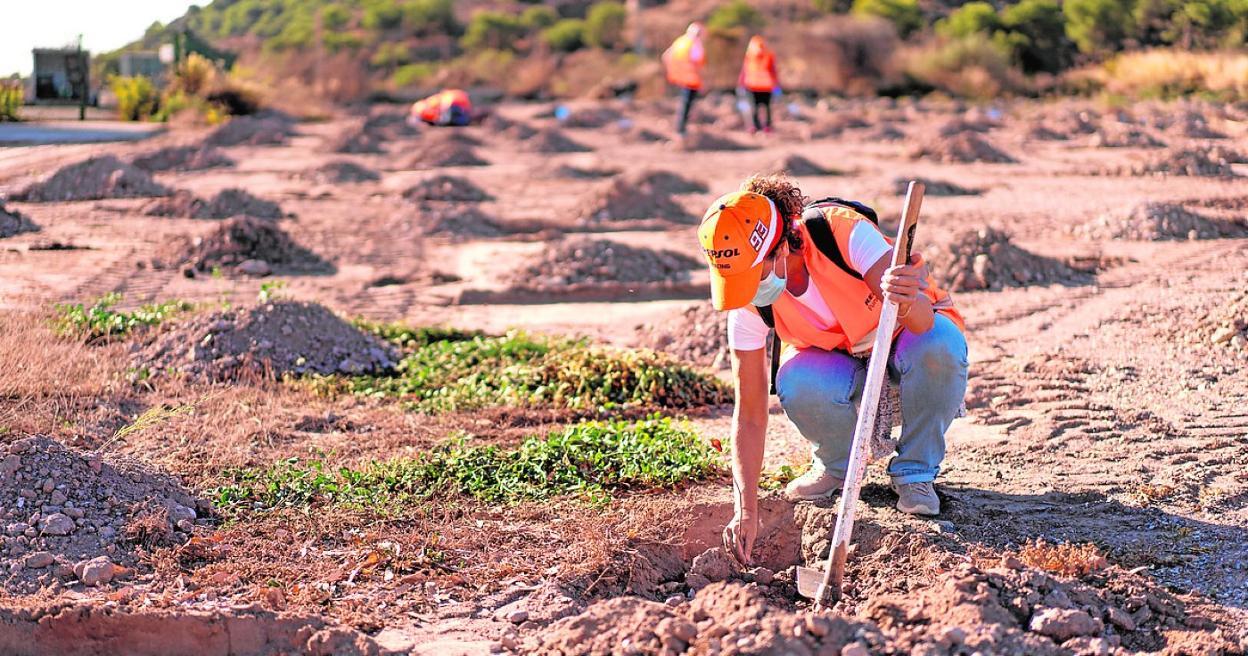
x: 758, y: 76
x: 817, y: 272
x: 447, y: 107
x: 684, y: 60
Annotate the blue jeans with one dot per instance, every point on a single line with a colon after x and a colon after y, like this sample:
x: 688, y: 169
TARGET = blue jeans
x: 819, y: 390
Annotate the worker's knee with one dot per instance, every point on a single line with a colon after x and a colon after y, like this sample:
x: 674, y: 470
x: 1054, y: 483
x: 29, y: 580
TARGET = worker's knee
x: 814, y: 393
x: 938, y: 354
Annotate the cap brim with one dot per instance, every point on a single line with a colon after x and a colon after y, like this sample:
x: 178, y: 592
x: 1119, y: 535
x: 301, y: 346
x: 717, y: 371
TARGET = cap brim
x: 732, y: 292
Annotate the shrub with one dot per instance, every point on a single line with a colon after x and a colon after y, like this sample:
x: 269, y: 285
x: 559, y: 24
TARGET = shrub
x: 99, y: 322
x: 905, y: 15
x: 412, y: 74
x: 382, y: 15
x: 492, y: 30
x: 1038, y: 35
x: 566, y: 35
x: 136, y: 97
x: 832, y: 6
x: 738, y: 13
x: 590, y: 460
x: 971, y: 18
x: 338, y: 41
x: 604, y: 25
x: 430, y: 16
x: 194, y: 75
x: 539, y: 17
x: 297, y: 34
x: 389, y: 55
x: 1164, y: 73
x: 973, y: 67
x: 1097, y: 25
x: 335, y: 17
x: 11, y: 96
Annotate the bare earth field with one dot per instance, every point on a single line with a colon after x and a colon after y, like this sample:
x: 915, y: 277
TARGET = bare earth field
x: 1095, y: 497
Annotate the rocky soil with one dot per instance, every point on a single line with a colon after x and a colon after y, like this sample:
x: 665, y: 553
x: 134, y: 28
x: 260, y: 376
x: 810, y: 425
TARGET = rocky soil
x: 576, y: 262
x: 243, y: 245
x: 261, y: 130
x: 696, y: 334
x: 96, y: 178
x: 447, y: 189
x: 1188, y: 161
x: 553, y: 141
x: 621, y: 200
x: 986, y: 258
x: 340, y: 172
x: 265, y: 342
x: 13, y: 222
x: 1152, y: 221
x: 963, y: 147
x: 182, y: 158
x: 444, y: 153
x: 227, y: 203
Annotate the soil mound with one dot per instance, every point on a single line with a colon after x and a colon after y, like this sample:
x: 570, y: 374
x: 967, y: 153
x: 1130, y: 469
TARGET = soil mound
x: 245, y: 245
x: 934, y: 187
x: 388, y: 126
x: 358, y: 141
x: 665, y: 182
x: 227, y: 203
x: 886, y: 132
x: 1039, y: 132
x: 1228, y: 328
x: 182, y: 158
x: 638, y: 135
x: 579, y: 173
x: 987, y: 259
x: 94, y: 179
x: 618, y: 200
x: 266, y: 341
x: 958, y: 126
x: 445, y: 153
x: 446, y: 188
x: 72, y: 515
x: 697, y: 335
x: 13, y: 222
x: 1125, y: 137
x: 1194, y: 126
x: 340, y: 172
x: 1159, y: 222
x: 799, y: 166
x: 252, y: 131
x: 1191, y: 162
x: 1076, y: 122
x: 553, y: 141
x: 710, y: 142
x: 458, y: 220
x: 964, y: 148
x: 583, y: 261
x: 592, y: 117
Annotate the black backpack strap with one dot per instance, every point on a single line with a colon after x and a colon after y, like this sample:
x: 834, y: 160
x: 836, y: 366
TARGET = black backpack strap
x: 821, y: 232
x: 770, y: 319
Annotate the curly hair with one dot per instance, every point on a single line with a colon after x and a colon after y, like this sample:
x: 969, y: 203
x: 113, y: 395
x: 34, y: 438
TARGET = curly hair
x: 783, y: 191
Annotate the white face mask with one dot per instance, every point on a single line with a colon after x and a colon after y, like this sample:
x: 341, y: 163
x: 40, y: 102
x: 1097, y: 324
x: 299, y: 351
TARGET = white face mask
x: 770, y: 289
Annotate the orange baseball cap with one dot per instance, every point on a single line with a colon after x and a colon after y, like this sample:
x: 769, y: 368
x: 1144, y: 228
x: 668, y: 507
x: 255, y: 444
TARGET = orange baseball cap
x: 736, y: 233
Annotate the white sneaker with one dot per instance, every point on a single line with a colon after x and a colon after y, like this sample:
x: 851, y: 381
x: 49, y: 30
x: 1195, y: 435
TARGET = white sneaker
x: 917, y: 498
x: 815, y: 484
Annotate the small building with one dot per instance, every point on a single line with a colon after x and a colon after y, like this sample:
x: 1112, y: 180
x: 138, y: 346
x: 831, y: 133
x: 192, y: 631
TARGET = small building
x: 61, y: 75
x: 142, y: 62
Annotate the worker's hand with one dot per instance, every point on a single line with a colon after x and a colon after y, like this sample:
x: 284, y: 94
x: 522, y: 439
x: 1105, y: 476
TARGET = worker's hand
x: 739, y: 536
x: 903, y: 284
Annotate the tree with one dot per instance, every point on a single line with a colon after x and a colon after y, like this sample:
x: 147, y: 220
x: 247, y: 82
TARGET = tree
x: 430, y: 17
x: 382, y: 15
x: 604, y: 25
x: 1097, y: 26
x: 566, y: 35
x: 493, y: 30
x: 971, y: 18
x: 905, y: 15
x: 539, y: 17
x: 1038, y: 35
x: 737, y: 13
x: 335, y: 17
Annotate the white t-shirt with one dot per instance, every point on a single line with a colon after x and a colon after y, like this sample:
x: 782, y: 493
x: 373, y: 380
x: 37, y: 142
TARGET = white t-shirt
x: 748, y: 332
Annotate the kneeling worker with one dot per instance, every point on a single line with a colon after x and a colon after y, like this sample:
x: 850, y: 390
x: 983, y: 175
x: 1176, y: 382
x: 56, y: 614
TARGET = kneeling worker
x: 817, y: 272
x: 449, y: 107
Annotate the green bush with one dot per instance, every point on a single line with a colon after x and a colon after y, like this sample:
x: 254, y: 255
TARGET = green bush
x: 297, y: 34
x: 539, y: 17
x: 738, y: 13
x: 382, y: 15
x: 832, y: 6
x: 905, y: 15
x: 976, y: 17
x: 389, y: 55
x: 1098, y: 26
x: 412, y: 74
x: 335, y: 17
x: 11, y: 97
x: 589, y: 460
x: 604, y: 25
x: 338, y: 41
x: 1038, y: 35
x: 430, y: 17
x: 137, y: 98
x: 976, y: 66
x: 566, y: 35
x: 492, y: 30
x: 99, y: 322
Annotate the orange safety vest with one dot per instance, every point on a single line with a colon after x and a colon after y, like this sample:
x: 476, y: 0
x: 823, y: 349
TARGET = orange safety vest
x: 430, y: 109
x: 758, y: 73
x: 856, y: 308
x: 682, y: 69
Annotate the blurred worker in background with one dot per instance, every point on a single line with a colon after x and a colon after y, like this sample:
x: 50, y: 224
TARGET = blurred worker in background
x: 758, y: 77
x: 684, y: 60
x: 447, y: 107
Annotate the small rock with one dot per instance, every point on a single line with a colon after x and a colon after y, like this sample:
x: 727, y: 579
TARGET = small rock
x: 10, y: 465
x: 186, y: 526
x: 39, y: 560
x: 696, y: 581
x: 95, y: 571
x: 763, y: 576
x: 258, y: 268
x: 953, y: 636
x: 675, y: 600
x: 58, y: 498
x: 1009, y: 561
x: 1222, y: 334
x: 1085, y: 646
x: 17, y: 528
x: 75, y: 513
x: 1063, y: 624
x: 56, y: 524
x: 817, y: 626
x: 855, y: 649
x: 517, y: 616
x: 714, y: 564
x: 945, y: 526
x: 508, y: 641
x: 1119, y: 618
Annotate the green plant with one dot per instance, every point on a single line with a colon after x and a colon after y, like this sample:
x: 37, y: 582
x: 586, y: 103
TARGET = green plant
x: 975, y: 67
x: 390, y: 55
x: 1098, y: 26
x: 492, y: 30
x: 832, y: 6
x: 270, y: 291
x: 1038, y: 35
x: 430, y: 17
x: 604, y: 25
x: 137, y: 98
x: 339, y: 41
x: 736, y: 14
x: 11, y: 97
x: 976, y: 17
x: 590, y: 460
x: 905, y: 15
x: 411, y: 338
x: 412, y: 74
x: 99, y: 322
x: 566, y: 35
x: 538, y: 17
x: 382, y: 15
x: 335, y: 17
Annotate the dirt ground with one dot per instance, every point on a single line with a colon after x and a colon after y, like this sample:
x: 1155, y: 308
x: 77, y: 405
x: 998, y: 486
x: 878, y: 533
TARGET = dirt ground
x: 1106, y: 401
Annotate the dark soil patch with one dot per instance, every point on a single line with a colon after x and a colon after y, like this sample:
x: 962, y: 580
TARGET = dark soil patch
x: 707, y: 141
x: 581, y: 261
x: 578, y: 173
x: 665, y: 182
x: 244, y: 245
x: 13, y: 222
x: 340, y: 172
x: 799, y: 166
x: 957, y: 126
x: 182, y: 158
x: 553, y: 141
x: 988, y: 259
x: 618, y: 200
x: 389, y: 126
x: 355, y: 141
x: 1159, y: 221
x: 1039, y: 132
x: 252, y: 131
x: 446, y: 188
x: 94, y: 179
x: 1196, y: 162
x: 1120, y: 136
x: 266, y: 342
x: 592, y: 117
x: 458, y: 220
x: 886, y: 132
x: 934, y: 187
x: 227, y: 203
x: 697, y: 335
x: 444, y: 153
x: 63, y: 508
x: 963, y: 147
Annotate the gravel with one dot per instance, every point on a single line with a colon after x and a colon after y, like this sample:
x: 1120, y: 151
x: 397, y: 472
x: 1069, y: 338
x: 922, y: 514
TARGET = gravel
x: 987, y: 259
x: 446, y: 188
x: 94, y: 179
x: 963, y: 147
x: 237, y: 241
x: 584, y: 261
x: 227, y: 203
x: 1153, y: 221
x: 340, y: 172
x: 182, y: 158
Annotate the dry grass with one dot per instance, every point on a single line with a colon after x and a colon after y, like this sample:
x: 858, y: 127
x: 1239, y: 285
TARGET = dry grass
x: 1065, y: 559
x: 1147, y: 493
x: 1164, y: 73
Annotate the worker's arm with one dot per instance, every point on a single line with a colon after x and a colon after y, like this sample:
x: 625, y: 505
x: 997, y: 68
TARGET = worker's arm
x: 904, y: 286
x: 749, y: 432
